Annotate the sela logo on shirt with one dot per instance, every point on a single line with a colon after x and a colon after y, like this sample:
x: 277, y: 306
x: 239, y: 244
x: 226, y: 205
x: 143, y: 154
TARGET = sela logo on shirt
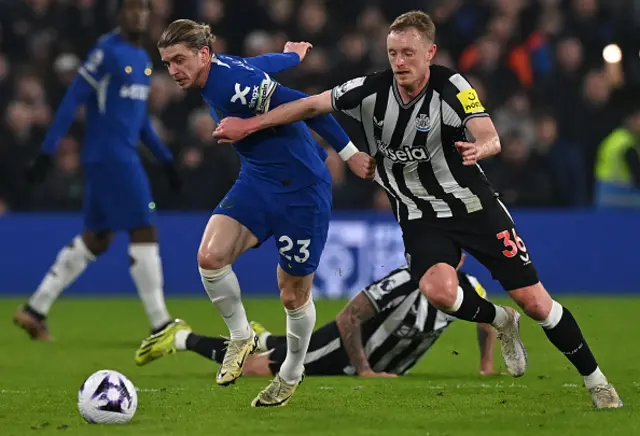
x: 405, y: 153
x: 135, y: 92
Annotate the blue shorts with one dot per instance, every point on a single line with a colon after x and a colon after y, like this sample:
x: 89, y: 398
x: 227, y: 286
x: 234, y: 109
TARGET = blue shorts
x: 299, y: 220
x: 117, y: 197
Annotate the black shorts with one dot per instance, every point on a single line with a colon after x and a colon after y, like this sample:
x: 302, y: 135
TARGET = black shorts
x: 489, y: 235
x: 325, y: 355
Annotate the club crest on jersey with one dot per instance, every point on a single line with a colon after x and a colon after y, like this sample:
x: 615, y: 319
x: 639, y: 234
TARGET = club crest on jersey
x: 423, y: 123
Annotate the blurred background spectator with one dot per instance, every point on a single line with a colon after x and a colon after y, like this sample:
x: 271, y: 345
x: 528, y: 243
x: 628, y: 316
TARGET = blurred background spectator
x: 538, y: 65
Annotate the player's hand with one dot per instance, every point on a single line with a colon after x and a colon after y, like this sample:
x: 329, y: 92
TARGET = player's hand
x: 469, y: 152
x: 175, y: 181
x: 38, y: 168
x: 300, y: 48
x: 362, y: 165
x: 372, y: 374
x: 232, y: 129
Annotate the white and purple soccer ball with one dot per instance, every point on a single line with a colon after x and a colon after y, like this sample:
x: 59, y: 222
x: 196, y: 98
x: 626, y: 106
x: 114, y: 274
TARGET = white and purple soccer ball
x: 107, y: 397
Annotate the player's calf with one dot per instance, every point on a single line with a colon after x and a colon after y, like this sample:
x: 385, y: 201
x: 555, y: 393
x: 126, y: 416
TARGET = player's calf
x: 440, y: 285
x: 295, y: 294
x: 563, y: 332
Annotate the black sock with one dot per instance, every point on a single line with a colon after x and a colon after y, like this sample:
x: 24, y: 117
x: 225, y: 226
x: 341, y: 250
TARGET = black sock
x: 273, y: 341
x: 210, y: 348
x: 474, y: 308
x: 567, y: 338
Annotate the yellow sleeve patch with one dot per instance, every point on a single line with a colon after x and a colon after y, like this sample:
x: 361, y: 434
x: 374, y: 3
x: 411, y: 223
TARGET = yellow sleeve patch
x: 470, y: 101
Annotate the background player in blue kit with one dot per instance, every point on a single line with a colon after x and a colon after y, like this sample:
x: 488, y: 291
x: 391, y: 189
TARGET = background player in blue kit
x: 283, y: 190
x: 113, y: 84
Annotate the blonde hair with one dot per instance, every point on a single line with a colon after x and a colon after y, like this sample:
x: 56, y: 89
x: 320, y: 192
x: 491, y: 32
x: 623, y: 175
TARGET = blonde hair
x: 193, y: 35
x: 421, y: 21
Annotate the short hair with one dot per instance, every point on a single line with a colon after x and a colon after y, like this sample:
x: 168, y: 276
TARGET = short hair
x: 421, y: 21
x: 193, y: 35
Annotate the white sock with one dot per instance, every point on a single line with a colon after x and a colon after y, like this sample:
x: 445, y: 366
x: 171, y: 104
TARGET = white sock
x: 594, y: 379
x: 146, y: 270
x: 554, y: 317
x: 300, y: 324
x: 224, y: 291
x: 180, y: 340
x: 69, y: 264
x: 262, y: 340
x: 502, y: 316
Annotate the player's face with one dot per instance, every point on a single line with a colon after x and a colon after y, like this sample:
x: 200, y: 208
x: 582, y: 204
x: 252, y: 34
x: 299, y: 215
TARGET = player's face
x: 134, y: 16
x: 184, y: 64
x: 410, y: 54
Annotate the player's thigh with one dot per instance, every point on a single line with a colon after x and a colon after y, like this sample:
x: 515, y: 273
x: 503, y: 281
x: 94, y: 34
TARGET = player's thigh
x: 120, y: 197
x: 223, y: 240
x: 300, y: 222
x: 239, y: 222
x: 491, y: 236
x: 427, y: 245
x: 93, y: 205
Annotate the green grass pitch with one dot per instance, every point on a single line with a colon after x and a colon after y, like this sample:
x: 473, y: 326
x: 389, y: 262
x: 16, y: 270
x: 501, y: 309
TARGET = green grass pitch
x: 444, y: 395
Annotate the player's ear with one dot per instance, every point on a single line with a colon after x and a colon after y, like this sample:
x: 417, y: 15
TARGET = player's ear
x: 431, y: 52
x: 205, y: 54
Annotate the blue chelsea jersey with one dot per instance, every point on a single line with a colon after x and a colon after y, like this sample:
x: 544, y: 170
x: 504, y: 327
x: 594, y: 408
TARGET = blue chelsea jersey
x: 116, y: 112
x: 285, y: 158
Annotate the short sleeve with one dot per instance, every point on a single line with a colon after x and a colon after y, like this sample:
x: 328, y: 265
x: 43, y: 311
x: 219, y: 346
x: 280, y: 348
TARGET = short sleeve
x: 460, y: 102
x: 94, y: 67
x: 390, y: 291
x: 348, y: 97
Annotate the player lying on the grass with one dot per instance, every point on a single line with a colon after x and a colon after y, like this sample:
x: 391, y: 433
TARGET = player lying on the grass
x: 382, y: 332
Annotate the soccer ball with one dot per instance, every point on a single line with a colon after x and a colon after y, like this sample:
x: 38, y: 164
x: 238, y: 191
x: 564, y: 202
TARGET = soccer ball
x: 107, y: 397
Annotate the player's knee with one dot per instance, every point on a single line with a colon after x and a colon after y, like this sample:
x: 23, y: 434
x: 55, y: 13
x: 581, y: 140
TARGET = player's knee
x: 97, y: 242
x: 290, y: 299
x: 534, y: 300
x: 213, y: 259
x: 440, y: 285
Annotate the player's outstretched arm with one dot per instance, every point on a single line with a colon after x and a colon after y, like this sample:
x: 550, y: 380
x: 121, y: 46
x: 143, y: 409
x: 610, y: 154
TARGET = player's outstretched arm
x: 293, y: 54
x: 487, y: 141
x: 235, y: 129
x: 77, y: 93
x: 349, y: 320
x: 291, y: 106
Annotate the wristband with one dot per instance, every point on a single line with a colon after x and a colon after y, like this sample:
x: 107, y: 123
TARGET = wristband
x: 349, y: 150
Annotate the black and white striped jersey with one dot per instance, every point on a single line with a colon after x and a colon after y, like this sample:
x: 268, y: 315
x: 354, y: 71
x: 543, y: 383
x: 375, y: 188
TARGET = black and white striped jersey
x: 414, y: 144
x: 405, y: 325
